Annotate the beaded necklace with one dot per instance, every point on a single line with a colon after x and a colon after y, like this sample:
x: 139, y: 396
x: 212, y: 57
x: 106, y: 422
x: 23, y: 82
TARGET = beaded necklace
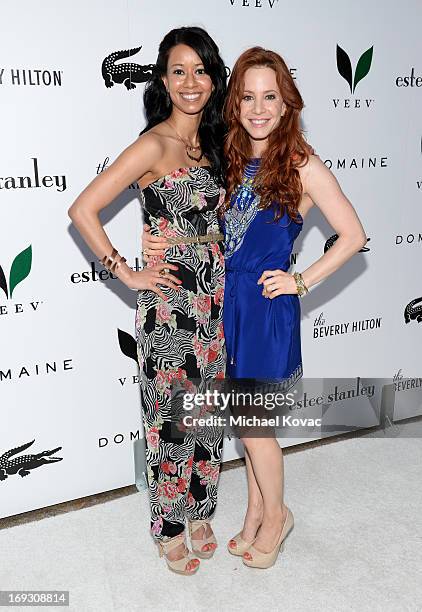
x: 242, y: 211
x: 244, y: 194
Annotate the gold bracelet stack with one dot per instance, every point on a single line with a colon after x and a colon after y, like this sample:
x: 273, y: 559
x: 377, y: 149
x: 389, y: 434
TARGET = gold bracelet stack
x: 302, y: 289
x: 110, y: 261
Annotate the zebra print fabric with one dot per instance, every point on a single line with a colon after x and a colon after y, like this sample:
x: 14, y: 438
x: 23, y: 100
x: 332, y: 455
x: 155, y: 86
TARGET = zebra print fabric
x: 181, y: 340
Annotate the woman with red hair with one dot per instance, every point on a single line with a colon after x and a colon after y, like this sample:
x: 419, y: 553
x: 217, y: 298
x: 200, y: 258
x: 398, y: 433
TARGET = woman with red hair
x: 272, y: 181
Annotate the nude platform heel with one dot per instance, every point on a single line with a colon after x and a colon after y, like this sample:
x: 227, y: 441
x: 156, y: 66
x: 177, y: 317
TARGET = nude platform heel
x: 241, y: 545
x: 178, y: 566
x: 198, y: 545
x: 255, y: 558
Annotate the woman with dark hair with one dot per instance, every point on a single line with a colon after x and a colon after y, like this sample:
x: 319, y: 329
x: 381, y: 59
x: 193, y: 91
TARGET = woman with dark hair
x: 272, y: 180
x: 177, y: 164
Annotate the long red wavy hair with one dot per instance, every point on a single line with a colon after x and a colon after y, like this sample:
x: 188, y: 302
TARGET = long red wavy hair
x: 277, y: 181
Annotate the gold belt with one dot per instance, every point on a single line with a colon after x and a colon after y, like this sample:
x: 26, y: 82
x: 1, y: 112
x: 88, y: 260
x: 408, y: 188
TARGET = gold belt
x: 196, y: 239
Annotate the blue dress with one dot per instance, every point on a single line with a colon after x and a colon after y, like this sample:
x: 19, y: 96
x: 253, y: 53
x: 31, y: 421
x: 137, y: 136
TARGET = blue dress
x: 262, y: 335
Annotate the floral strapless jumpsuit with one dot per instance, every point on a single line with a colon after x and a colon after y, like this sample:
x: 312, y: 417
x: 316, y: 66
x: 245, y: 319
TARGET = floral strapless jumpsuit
x: 179, y: 340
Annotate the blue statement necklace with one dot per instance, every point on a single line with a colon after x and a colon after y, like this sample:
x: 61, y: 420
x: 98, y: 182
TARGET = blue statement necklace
x: 244, y: 194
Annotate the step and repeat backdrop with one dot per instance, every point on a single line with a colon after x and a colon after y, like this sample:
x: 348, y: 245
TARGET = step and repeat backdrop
x: 69, y: 390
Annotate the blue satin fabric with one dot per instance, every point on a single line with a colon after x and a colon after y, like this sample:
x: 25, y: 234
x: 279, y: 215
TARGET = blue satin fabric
x: 262, y: 335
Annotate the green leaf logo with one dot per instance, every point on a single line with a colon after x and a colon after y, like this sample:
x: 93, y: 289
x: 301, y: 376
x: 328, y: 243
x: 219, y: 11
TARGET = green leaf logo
x: 3, y: 283
x: 344, y: 66
x: 363, y: 67
x: 20, y: 269
x: 127, y: 345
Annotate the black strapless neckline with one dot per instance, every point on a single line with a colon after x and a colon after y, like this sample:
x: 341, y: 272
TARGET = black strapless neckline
x: 169, y: 174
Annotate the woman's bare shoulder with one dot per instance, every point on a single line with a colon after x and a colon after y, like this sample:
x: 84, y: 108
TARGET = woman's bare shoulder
x: 151, y: 142
x: 314, y: 166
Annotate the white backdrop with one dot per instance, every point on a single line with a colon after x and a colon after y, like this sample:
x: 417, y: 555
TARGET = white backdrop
x: 67, y: 380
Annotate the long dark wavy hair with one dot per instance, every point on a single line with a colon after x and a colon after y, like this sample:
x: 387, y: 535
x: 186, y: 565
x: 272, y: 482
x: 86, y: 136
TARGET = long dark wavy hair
x: 158, y: 105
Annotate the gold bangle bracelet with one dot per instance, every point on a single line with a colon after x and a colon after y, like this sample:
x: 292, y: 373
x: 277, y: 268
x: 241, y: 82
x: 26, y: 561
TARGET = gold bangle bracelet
x: 116, y: 266
x: 302, y: 289
x: 107, y: 260
x: 113, y: 261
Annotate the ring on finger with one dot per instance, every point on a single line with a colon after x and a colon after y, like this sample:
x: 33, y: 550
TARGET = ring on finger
x: 163, y: 272
x: 144, y: 252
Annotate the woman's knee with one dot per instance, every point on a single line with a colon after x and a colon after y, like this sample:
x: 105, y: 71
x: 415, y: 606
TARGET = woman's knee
x: 251, y: 443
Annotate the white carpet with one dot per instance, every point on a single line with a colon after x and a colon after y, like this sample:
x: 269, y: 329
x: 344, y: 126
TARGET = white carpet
x: 356, y: 544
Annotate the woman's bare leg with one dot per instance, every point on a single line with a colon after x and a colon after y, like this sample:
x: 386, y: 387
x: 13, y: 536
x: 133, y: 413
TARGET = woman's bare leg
x: 254, y: 512
x: 266, y: 459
